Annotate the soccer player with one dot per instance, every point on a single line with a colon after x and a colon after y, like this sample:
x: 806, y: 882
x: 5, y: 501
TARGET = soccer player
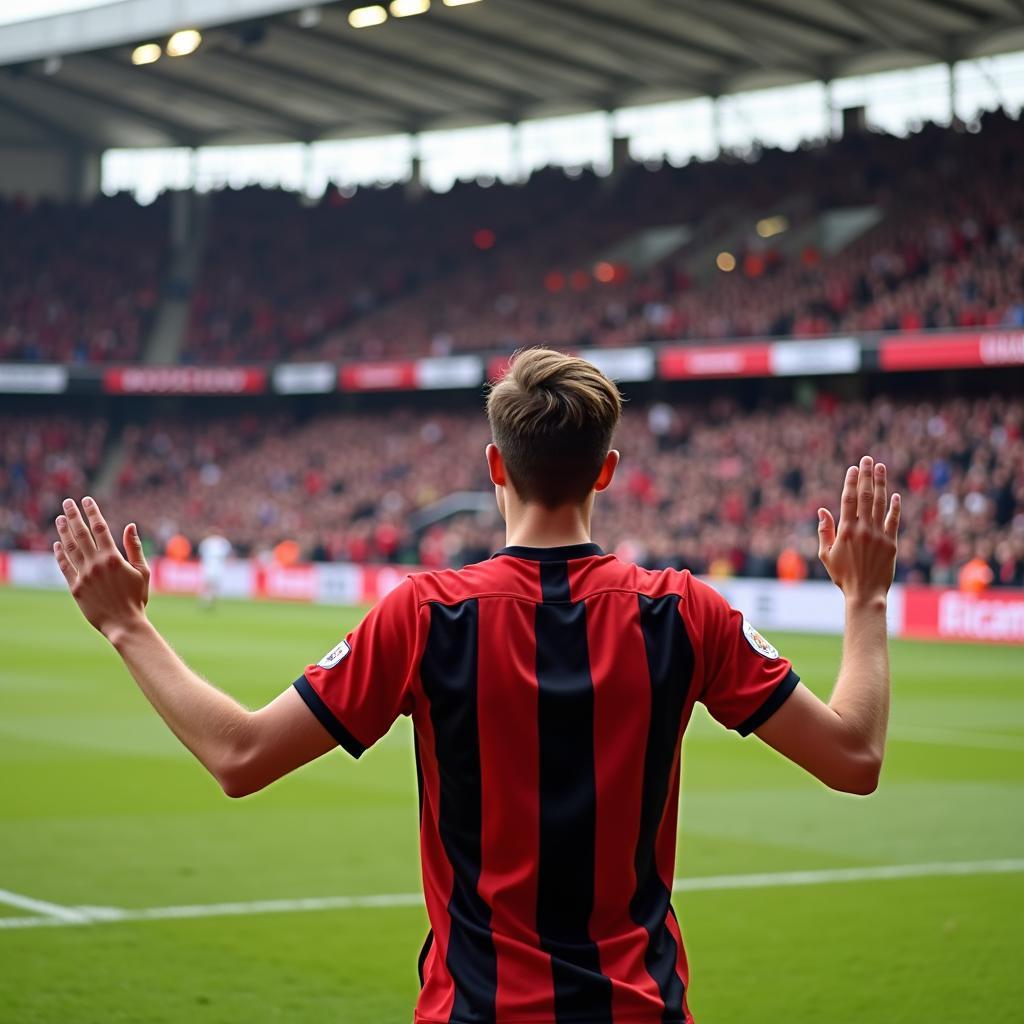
x: 214, y: 552
x: 549, y: 689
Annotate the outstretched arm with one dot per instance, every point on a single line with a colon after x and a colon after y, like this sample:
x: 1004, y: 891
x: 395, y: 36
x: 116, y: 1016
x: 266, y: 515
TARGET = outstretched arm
x: 244, y: 750
x: 843, y: 742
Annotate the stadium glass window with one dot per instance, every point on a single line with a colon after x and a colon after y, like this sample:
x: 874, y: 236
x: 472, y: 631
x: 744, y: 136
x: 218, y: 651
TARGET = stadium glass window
x: 238, y: 166
x: 678, y: 132
x: 783, y: 117
x: 989, y: 83
x: 579, y: 140
x: 467, y: 153
x: 357, y: 163
x: 898, y: 102
x: 146, y: 172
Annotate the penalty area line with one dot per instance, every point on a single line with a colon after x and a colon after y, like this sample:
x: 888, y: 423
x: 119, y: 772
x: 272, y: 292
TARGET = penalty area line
x: 56, y: 916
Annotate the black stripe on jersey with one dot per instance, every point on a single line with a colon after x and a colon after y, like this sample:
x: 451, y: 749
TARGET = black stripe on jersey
x: 424, y: 953
x: 568, y: 803
x: 419, y: 777
x: 670, y: 667
x: 775, y: 700
x: 448, y: 670
x: 326, y: 717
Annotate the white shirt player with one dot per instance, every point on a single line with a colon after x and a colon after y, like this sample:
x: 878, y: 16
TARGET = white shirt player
x: 214, y: 551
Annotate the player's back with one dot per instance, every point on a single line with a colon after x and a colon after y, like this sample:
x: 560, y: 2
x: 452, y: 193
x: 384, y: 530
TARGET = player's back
x: 549, y: 689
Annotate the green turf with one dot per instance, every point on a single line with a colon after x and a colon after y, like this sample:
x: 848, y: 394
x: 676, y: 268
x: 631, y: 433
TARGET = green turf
x: 100, y: 807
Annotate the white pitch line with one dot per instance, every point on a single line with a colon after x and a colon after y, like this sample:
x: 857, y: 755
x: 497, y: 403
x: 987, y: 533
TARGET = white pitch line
x: 64, y: 916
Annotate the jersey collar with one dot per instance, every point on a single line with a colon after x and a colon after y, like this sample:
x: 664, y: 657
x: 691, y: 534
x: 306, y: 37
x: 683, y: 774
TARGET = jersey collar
x: 561, y: 554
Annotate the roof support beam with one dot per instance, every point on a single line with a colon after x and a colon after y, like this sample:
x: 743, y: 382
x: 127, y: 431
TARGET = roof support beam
x: 55, y: 131
x: 322, y: 89
x: 174, y: 130
x: 741, y: 30
x: 537, y: 61
x: 176, y: 80
x: 441, y: 98
x: 461, y: 78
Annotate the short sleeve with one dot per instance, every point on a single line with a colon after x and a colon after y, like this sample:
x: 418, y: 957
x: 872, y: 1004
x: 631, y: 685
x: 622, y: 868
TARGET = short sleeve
x: 746, y: 680
x: 359, y: 688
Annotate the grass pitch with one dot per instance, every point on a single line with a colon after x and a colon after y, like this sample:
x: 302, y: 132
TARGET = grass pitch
x: 100, y: 807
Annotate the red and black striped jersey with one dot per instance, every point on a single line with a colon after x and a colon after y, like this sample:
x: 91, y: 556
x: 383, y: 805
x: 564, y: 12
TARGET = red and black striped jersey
x: 549, y: 690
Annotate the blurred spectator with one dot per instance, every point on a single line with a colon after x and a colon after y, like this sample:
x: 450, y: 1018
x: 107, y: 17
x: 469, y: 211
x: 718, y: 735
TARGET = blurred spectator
x: 79, y: 283
x: 728, y: 490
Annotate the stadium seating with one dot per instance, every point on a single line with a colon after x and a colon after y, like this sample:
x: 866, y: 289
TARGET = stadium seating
x: 43, y: 459
x: 713, y: 487
x: 384, y: 273
x: 79, y: 283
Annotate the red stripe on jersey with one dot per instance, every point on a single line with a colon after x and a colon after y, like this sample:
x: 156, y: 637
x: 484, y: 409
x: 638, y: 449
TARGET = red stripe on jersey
x: 507, y: 716
x: 622, y: 699
x: 438, y: 994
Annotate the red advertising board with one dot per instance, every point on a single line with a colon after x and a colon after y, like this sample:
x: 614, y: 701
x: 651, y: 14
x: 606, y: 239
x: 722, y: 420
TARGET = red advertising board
x: 951, y: 350
x: 399, y: 375
x: 286, y: 583
x: 185, y: 380
x: 682, y: 362
x: 996, y: 616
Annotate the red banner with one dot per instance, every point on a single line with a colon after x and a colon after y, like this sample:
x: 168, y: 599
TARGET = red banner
x: 390, y: 376
x: 951, y: 350
x: 682, y: 362
x: 185, y: 380
x: 996, y: 616
x: 285, y: 583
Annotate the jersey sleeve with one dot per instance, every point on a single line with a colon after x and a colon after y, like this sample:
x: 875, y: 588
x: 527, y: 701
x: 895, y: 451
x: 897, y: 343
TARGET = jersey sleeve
x: 359, y: 688
x: 746, y: 680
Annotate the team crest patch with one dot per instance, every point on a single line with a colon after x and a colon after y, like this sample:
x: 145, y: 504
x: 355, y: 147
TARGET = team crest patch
x: 758, y: 642
x: 335, y: 654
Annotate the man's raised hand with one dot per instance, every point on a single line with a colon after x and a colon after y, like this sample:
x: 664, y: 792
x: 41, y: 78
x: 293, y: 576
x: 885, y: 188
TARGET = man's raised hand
x: 861, y: 557
x: 111, y: 590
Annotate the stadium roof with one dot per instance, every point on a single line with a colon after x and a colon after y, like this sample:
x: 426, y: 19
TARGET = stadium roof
x: 270, y: 71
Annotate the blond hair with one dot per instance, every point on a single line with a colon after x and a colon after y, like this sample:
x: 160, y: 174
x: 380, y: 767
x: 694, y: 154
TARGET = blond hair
x: 552, y: 417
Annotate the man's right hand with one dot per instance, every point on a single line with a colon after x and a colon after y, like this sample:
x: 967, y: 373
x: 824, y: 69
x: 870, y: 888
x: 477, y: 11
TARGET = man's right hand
x: 861, y: 557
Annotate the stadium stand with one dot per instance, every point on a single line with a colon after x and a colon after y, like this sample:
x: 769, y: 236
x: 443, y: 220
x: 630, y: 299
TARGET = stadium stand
x: 752, y: 481
x: 79, y: 283
x: 42, y: 459
x: 387, y: 273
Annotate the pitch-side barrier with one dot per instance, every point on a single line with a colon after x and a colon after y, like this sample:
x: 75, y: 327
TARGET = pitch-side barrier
x: 935, y: 613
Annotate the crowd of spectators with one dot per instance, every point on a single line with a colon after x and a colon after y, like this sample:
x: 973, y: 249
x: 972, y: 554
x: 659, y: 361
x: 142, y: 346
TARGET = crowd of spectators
x: 79, y: 283
x: 397, y: 271
x: 710, y: 486
x: 280, y: 274
x: 43, y: 459
x: 947, y: 251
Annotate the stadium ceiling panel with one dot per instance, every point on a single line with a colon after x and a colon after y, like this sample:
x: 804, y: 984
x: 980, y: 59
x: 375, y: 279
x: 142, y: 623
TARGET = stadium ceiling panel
x: 271, y: 71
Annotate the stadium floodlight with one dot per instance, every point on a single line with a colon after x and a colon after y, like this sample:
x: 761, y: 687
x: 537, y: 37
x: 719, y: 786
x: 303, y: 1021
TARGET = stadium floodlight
x: 364, y: 17
x: 407, y: 8
x: 147, y: 53
x: 182, y: 43
x: 726, y: 262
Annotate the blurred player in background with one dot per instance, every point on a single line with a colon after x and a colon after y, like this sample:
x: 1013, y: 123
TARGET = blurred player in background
x: 214, y: 552
x: 549, y: 688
